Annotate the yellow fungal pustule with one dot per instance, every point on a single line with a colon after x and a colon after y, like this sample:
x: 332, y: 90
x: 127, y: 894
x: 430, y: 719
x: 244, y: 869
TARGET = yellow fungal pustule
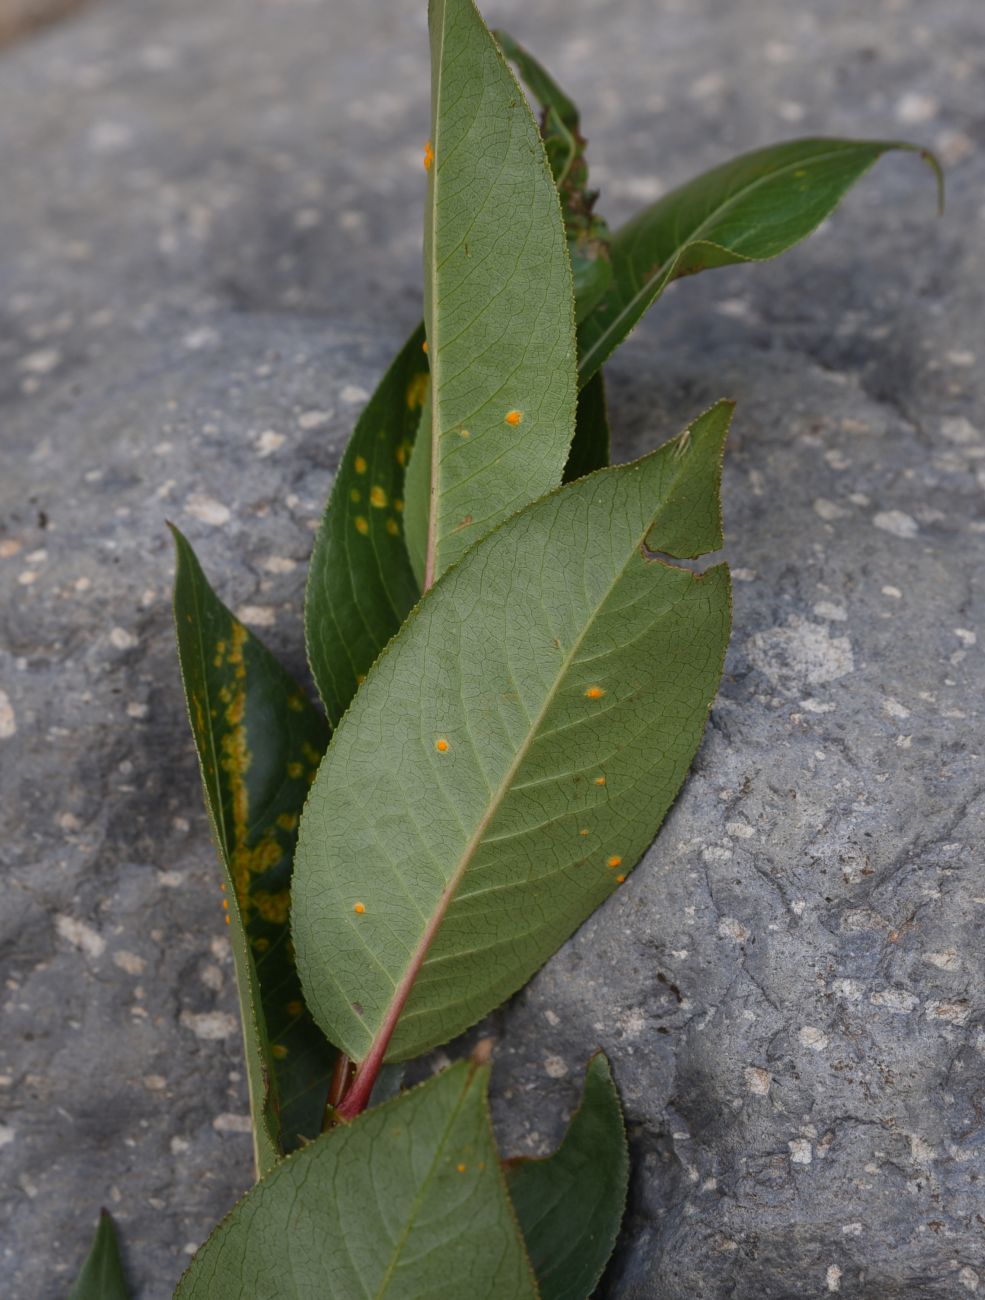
x: 441, y: 745
x: 600, y: 780
x: 424, y: 346
x: 359, y: 909
x: 359, y: 464
x: 228, y: 919
x: 279, y: 1051
x: 584, y: 831
x: 360, y: 678
x: 460, y: 1168
x: 464, y: 433
x: 594, y: 692
x: 377, y: 497
x: 398, y: 505
x: 428, y: 160
x: 225, y: 904
x: 355, y: 495
x: 393, y: 528
x: 614, y: 861
x: 295, y: 771
x: 362, y: 524
x: 514, y: 417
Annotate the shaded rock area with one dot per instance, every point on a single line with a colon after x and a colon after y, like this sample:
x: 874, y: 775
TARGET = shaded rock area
x: 209, y: 248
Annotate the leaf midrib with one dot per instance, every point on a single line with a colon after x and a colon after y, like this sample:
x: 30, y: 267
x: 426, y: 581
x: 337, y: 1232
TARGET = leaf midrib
x: 694, y: 238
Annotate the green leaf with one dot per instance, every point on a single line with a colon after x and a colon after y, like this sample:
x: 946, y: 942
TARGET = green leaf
x: 360, y: 582
x: 591, y: 445
x: 511, y: 754
x: 588, y: 235
x: 407, y: 1202
x: 498, y: 302
x: 259, y: 742
x: 102, y: 1273
x: 748, y: 210
x: 570, y: 1205
x: 417, y: 493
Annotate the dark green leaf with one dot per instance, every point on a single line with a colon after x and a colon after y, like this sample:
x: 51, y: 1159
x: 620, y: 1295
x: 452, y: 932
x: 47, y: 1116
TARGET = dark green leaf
x: 748, y: 210
x: 408, y: 1202
x: 588, y: 235
x: 259, y: 742
x: 498, y: 303
x: 570, y: 1204
x: 590, y: 448
x: 360, y: 583
x: 102, y: 1273
x: 511, y: 755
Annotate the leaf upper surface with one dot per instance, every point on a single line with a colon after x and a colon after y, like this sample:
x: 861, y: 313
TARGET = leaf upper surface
x: 102, y: 1273
x: 259, y: 741
x: 497, y: 294
x: 512, y: 753
x: 406, y: 1202
x: 570, y: 1204
x: 360, y: 581
x: 749, y: 209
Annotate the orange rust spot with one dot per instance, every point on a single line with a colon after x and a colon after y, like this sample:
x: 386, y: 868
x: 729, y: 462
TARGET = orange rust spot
x: 595, y: 692
x: 227, y: 919
x: 393, y: 528
x: 614, y: 861
x: 441, y: 745
x: 287, y: 821
x: 359, y: 909
x: 514, y: 417
x: 400, y: 455
x: 225, y: 904
x: 359, y: 464
x: 261, y: 945
x: 417, y: 391
x: 362, y: 524
x: 295, y: 1008
x: 295, y: 771
x: 398, y: 505
x: 424, y: 346
x: 428, y: 160
x: 620, y: 879
x: 460, y: 1168
x: 377, y: 497
x: 585, y: 831
x: 278, y: 1051
x: 600, y: 780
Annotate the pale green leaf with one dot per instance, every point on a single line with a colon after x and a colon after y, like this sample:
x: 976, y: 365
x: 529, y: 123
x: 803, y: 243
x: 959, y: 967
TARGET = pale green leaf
x: 259, y: 741
x: 408, y: 1202
x: 102, y: 1273
x: 360, y: 584
x: 570, y: 1204
x: 748, y: 210
x: 511, y: 755
x: 498, y: 301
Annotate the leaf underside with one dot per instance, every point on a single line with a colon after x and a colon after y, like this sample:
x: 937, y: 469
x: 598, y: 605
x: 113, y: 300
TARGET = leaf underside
x: 101, y: 1277
x: 530, y: 726
x: 749, y: 209
x: 497, y: 295
x: 571, y: 1203
x: 407, y: 1201
x: 259, y: 741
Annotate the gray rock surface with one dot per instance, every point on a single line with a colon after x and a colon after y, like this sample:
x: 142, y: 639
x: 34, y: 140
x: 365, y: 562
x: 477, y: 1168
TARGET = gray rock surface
x: 209, y: 247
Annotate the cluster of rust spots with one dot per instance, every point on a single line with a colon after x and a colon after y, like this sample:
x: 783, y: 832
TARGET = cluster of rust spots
x: 417, y: 391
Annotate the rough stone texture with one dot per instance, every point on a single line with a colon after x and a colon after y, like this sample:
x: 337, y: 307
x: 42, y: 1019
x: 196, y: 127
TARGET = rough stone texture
x: 210, y: 247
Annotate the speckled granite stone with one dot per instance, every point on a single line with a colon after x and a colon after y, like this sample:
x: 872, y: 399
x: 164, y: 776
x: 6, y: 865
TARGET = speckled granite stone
x: 209, y: 248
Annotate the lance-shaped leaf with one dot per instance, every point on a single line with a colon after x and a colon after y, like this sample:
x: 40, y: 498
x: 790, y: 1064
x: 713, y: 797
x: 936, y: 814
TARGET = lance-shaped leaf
x: 498, y: 301
x: 588, y: 234
x: 571, y: 1203
x: 102, y: 1273
x: 407, y: 1201
x: 750, y: 209
x: 259, y: 742
x: 511, y: 754
x: 360, y: 582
